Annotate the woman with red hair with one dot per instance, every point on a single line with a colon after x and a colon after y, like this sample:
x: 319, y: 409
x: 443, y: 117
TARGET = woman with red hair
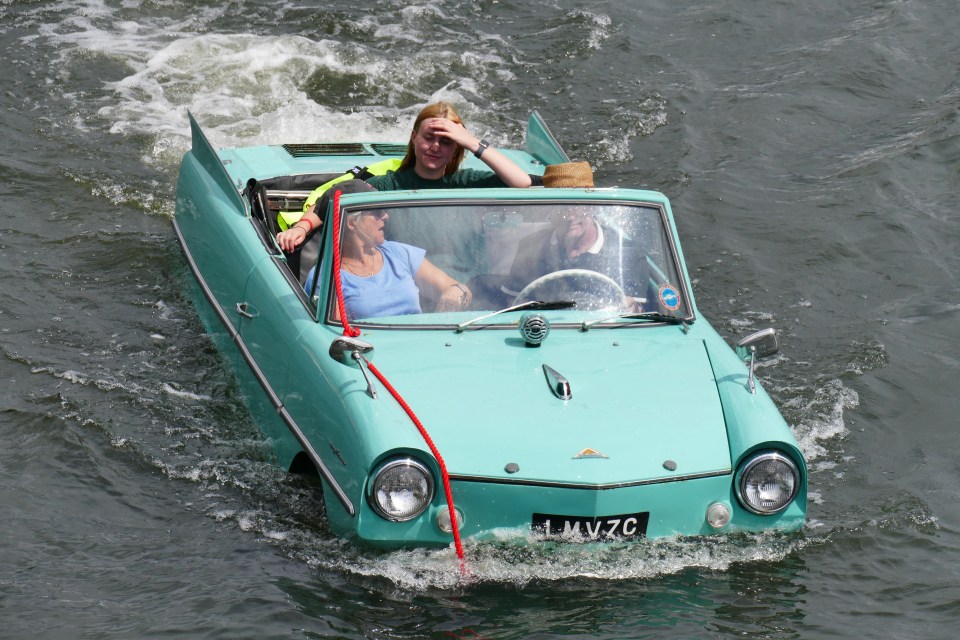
x: 436, y: 148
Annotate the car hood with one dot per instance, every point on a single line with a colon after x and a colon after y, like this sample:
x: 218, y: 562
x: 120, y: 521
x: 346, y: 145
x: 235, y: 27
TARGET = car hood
x: 644, y: 404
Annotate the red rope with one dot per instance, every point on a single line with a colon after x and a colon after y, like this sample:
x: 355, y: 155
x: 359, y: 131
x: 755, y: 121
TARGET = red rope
x: 354, y: 332
x: 436, y: 453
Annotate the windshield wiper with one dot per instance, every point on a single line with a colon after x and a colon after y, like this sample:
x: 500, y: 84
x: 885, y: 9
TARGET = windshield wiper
x: 538, y: 305
x: 655, y: 316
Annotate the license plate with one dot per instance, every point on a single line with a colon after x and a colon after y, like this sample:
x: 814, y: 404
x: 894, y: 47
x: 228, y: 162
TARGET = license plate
x: 629, y: 525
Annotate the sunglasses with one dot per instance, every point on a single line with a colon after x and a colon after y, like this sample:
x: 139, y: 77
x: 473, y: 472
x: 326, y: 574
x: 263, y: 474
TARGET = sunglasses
x: 379, y: 214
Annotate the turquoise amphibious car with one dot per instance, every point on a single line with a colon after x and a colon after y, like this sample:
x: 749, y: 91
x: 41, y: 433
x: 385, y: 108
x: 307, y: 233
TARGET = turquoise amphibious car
x: 556, y: 399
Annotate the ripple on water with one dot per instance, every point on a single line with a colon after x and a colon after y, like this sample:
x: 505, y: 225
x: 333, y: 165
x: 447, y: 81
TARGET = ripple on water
x: 520, y: 560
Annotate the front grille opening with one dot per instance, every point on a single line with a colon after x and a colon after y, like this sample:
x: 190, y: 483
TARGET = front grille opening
x: 326, y: 149
x: 345, y: 149
x: 389, y: 149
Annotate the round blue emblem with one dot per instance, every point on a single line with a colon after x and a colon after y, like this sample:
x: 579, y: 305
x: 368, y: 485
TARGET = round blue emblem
x: 669, y: 297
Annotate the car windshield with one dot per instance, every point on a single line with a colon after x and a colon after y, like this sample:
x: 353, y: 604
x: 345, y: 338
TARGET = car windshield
x: 449, y: 264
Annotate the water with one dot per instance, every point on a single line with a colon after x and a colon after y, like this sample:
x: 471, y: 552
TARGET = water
x: 811, y: 153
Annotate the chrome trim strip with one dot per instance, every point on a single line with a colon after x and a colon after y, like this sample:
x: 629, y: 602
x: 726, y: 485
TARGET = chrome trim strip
x: 258, y: 374
x: 591, y: 487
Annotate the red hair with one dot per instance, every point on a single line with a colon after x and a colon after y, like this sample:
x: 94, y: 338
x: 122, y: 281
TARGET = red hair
x: 435, y: 110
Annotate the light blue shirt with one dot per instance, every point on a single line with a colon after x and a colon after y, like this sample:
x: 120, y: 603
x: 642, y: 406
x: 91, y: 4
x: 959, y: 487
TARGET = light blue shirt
x: 391, y: 292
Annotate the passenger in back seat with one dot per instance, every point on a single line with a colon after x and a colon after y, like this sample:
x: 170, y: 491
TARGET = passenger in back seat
x: 435, y: 151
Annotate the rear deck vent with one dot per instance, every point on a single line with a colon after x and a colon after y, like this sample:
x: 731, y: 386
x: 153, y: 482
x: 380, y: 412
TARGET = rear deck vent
x: 307, y: 150
x: 389, y: 149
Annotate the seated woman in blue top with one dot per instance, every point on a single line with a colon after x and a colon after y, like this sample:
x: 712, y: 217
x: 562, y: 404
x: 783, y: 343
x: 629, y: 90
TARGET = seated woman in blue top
x: 381, y: 277
x: 436, y: 148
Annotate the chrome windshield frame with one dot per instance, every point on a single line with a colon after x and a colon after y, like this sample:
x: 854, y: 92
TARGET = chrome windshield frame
x: 449, y: 198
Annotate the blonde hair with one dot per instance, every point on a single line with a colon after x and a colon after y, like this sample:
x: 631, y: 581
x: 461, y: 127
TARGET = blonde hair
x: 435, y: 110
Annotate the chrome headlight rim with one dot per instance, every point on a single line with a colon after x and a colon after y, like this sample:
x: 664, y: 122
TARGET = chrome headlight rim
x: 743, y: 476
x: 388, y: 465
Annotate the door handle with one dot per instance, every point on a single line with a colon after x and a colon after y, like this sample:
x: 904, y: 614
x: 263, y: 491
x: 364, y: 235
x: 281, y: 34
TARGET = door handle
x: 244, y: 309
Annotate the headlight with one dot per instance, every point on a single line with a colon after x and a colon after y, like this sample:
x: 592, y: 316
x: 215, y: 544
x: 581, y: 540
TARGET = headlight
x: 400, y: 489
x: 767, y: 483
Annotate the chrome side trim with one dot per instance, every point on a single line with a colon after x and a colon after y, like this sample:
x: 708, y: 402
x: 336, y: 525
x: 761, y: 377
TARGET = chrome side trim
x: 591, y: 487
x: 262, y: 379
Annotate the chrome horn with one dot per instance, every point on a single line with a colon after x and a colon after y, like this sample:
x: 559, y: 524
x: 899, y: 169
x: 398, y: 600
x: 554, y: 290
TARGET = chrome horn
x: 534, y: 328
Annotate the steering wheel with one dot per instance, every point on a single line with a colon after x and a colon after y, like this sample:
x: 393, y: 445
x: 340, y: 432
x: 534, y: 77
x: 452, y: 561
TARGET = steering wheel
x: 591, y: 289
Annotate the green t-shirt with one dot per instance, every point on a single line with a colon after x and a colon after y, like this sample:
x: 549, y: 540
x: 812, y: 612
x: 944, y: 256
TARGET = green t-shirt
x: 408, y: 179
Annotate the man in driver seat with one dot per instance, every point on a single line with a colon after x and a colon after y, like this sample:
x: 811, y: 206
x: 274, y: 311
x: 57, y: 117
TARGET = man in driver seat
x: 575, y: 241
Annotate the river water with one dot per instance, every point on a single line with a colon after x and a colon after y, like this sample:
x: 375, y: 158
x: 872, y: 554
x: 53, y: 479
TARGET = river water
x: 812, y: 154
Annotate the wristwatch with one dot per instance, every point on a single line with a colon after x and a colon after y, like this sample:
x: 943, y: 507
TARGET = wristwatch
x: 481, y: 148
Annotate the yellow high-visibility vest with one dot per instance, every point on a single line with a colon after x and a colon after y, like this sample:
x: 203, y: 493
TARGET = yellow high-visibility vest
x: 287, y: 219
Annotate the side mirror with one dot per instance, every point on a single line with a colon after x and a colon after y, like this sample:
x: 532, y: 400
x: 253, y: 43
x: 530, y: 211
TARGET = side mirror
x: 343, y: 348
x: 350, y: 351
x: 755, y: 346
x: 759, y: 345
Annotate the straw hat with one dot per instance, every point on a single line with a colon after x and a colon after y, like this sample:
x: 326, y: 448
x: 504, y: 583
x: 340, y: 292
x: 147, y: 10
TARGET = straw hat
x: 568, y: 174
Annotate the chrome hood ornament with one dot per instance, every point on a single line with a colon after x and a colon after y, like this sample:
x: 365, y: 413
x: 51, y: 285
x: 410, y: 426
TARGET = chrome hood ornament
x: 558, y: 384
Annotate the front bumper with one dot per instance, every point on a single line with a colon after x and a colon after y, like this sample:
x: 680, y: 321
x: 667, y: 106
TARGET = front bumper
x: 494, y: 509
